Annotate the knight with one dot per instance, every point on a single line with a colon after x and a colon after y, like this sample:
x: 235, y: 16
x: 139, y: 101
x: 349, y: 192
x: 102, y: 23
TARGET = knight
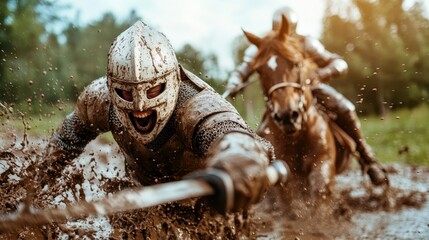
x: 167, y: 122
x: 329, y: 66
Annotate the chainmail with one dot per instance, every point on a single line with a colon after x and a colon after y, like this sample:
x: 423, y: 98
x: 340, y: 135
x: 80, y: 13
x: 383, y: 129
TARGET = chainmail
x: 74, y: 132
x: 205, y: 137
x: 267, y: 145
x: 114, y: 120
x: 186, y: 91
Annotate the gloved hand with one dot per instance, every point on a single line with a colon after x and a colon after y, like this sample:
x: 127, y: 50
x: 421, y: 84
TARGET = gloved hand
x: 244, y: 159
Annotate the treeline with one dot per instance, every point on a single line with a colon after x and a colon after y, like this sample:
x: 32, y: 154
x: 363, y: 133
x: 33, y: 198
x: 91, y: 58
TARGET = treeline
x: 40, y: 68
x: 386, y: 46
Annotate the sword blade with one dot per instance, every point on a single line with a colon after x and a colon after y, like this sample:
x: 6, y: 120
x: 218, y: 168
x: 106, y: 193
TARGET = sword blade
x: 130, y: 199
x: 135, y: 198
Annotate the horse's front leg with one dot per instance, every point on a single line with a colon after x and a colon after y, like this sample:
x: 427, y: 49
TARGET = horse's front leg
x: 321, y: 178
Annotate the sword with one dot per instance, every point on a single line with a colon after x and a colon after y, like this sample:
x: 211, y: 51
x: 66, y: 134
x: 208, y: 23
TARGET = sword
x: 204, y: 183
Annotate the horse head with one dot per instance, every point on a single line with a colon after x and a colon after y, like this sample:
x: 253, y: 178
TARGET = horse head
x: 282, y: 68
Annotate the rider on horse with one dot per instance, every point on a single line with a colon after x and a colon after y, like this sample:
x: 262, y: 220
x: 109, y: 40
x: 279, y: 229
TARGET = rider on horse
x: 330, y: 65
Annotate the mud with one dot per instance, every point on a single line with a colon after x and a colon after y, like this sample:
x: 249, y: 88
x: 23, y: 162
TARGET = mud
x: 357, y: 210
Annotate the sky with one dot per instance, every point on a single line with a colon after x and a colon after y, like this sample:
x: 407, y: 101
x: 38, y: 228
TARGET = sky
x: 209, y: 25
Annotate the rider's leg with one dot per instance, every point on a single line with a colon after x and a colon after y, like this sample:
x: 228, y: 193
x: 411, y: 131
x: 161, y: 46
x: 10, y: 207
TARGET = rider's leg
x: 347, y: 119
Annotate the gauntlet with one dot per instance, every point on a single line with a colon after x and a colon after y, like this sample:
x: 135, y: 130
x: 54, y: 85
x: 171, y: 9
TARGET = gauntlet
x: 245, y: 160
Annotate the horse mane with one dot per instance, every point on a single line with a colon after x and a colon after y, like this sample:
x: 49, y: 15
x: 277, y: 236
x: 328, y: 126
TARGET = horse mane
x: 288, y: 48
x: 285, y: 45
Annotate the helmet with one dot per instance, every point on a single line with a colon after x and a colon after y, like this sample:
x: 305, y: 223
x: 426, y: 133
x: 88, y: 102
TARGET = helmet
x: 143, y: 77
x: 290, y: 16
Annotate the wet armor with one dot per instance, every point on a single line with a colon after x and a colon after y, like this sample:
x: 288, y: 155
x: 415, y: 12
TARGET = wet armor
x: 204, y: 131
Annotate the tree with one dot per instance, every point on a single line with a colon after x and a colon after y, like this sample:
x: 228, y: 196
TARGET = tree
x: 381, y: 54
x: 25, y: 62
x: 204, y: 66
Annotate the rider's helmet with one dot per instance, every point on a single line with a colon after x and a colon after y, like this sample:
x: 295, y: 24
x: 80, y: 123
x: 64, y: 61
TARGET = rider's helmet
x: 143, y: 77
x: 290, y: 16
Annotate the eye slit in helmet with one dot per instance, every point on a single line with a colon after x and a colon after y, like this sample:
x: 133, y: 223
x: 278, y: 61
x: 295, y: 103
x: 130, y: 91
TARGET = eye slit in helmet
x: 155, y: 91
x: 126, y: 95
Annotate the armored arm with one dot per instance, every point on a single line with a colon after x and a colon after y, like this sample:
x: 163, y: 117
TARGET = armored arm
x: 227, y: 143
x: 242, y: 73
x: 330, y: 65
x: 87, y: 121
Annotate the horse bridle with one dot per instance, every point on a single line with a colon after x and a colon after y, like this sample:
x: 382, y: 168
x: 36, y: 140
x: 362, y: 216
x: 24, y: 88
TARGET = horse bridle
x: 286, y: 84
x: 278, y: 86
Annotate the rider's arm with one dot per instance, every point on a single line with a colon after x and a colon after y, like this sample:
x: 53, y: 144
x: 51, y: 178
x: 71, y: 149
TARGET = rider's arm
x: 330, y: 65
x: 242, y: 73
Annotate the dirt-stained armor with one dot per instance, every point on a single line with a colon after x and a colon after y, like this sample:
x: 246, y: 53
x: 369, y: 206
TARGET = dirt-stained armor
x: 329, y: 66
x: 167, y: 122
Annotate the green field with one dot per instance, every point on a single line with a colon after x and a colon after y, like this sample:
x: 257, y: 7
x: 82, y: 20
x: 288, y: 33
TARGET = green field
x: 400, y: 137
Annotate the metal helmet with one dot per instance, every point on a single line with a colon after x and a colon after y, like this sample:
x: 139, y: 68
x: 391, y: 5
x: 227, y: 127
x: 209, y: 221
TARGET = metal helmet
x: 143, y: 77
x: 290, y: 16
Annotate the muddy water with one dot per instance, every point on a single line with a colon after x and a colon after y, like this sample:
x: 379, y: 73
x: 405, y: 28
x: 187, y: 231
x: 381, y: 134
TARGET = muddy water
x: 356, y: 211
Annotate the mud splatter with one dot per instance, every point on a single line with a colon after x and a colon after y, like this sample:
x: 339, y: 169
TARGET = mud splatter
x: 357, y: 209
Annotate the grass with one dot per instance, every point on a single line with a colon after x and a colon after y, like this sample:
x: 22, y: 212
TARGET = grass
x: 401, y: 136
x: 38, y: 125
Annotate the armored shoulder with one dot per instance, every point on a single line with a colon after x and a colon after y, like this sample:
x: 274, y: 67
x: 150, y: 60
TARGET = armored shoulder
x: 205, y: 110
x: 93, y: 105
x: 205, y: 105
x: 324, y: 58
x: 313, y: 46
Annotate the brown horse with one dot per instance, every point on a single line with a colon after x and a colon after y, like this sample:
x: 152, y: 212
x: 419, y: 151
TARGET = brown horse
x: 301, y: 134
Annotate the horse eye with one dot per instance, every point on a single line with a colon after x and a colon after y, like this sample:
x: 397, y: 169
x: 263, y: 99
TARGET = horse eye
x: 126, y: 95
x: 155, y: 91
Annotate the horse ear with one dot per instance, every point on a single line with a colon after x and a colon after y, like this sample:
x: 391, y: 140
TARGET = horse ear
x: 284, y: 28
x: 255, y: 40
